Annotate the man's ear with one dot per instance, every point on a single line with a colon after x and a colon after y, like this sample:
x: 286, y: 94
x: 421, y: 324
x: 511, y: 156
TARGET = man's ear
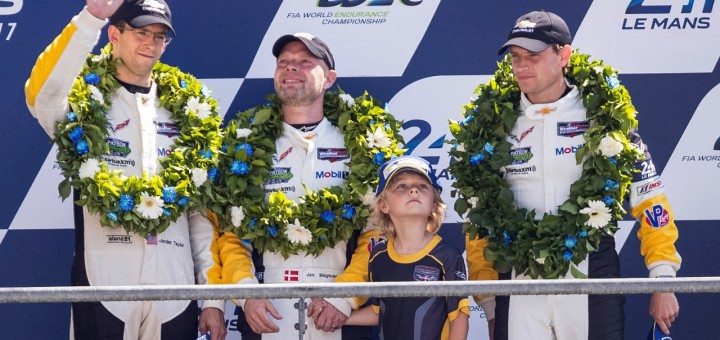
x: 113, y: 34
x: 330, y: 78
x: 565, y: 52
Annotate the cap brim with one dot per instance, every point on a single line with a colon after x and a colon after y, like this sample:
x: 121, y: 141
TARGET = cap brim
x: 531, y: 45
x: 144, y: 20
x: 285, y: 39
x: 411, y: 168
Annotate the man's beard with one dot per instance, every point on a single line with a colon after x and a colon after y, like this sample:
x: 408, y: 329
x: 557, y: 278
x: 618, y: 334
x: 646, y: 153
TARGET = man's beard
x: 297, y: 97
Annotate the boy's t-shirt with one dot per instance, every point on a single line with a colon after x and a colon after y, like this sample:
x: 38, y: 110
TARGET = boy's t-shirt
x: 417, y: 317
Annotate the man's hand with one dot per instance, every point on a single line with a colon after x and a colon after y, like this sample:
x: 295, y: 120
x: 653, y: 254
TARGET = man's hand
x: 256, y: 314
x: 664, y: 309
x: 326, y: 316
x: 103, y: 9
x: 491, y: 329
x: 213, y: 320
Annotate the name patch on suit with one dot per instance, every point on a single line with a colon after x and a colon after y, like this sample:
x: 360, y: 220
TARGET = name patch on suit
x: 332, y: 154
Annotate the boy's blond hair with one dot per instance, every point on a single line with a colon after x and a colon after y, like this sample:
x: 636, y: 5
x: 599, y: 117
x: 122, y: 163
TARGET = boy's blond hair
x: 381, y: 220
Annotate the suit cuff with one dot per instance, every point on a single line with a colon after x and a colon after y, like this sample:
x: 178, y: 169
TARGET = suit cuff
x: 219, y: 304
x: 247, y: 280
x: 341, y: 304
x: 88, y: 23
x: 662, y: 270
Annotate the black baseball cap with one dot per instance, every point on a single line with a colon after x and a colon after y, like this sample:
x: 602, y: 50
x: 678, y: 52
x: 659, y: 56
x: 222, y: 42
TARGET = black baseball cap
x: 537, y: 30
x: 140, y: 13
x: 316, y: 46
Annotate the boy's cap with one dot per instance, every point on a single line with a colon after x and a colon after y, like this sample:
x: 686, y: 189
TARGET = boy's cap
x: 657, y: 334
x: 316, y: 46
x: 140, y: 13
x: 395, y: 165
x: 537, y: 30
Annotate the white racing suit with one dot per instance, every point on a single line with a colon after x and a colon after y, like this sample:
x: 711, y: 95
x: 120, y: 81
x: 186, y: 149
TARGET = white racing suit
x: 545, y: 140
x: 316, y: 160
x: 140, y: 133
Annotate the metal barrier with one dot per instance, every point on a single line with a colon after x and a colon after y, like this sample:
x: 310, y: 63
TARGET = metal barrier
x: 378, y: 289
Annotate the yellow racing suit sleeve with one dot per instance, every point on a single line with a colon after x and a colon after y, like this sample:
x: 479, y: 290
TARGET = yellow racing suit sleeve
x: 357, y: 270
x: 650, y: 206
x: 480, y: 269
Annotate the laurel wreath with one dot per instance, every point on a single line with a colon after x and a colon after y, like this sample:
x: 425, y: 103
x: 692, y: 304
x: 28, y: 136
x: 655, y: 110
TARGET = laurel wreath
x: 119, y: 200
x: 546, y: 246
x: 323, y: 217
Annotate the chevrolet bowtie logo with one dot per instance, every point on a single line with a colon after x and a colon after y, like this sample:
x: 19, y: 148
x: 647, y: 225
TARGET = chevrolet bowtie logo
x: 545, y: 110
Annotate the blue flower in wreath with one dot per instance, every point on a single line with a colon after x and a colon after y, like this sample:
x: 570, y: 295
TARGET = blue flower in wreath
x: 567, y: 256
x: 507, y: 239
x: 212, y: 173
x: 610, y: 185
x: 247, y: 243
x: 111, y: 216
x: 167, y: 212
x: 583, y: 233
x: 348, y: 211
x: 251, y: 120
x: 183, y: 201
x: 249, y: 151
x: 469, y: 119
x: 476, y: 159
x: 207, y: 154
x: 613, y: 82
x: 169, y: 194
x: 183, y: 84
x: 379, y: 158
x: 92, y: 79
x: 82, y: 147
x: 609, y: 200
x: 272, y: 230
x: 223, y: 148
x: 71, y: 116
x: 126, y: 202
x: 239, y: 168
x: 253, y: 223
x: 489, y: 148
x: 570, y: 241
x: 613, y: 160
x: 328, y: 216
x: 76, y: 134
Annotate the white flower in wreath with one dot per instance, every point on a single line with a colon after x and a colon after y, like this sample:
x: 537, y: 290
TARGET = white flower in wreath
x: 89, y: 168
x: 540, y: 260
x: 296, y: 233
x: 348, y: 99
x: 369, y: 197
x: 242, y: 133
x: 150, y: 207
x: 599, y: 214
x: 609, y: 147
x: 96, y: 94
x: 202, y: 110
x: 236, y: 216
x: 199, y: 176
x: 473, y: 201
x: 377, y: 139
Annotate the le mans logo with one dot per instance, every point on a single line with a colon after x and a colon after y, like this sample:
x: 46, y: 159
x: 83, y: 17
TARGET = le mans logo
x: 353, y: 3
x: 666, y: 17
x: 13, y: 7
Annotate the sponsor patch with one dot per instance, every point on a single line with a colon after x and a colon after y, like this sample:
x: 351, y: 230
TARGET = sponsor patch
x: 425, y: 273
x: 521, y: 155
x: 657, y: 216
x: 331, y: 174
x: 572, y: 129
x: 151, y: 239
x: 522, y: 135
x: 544, y: 111
x: 646, y: 169
x: 124, y: 239
x: 278, y: 175
x: 280, y: 189
x: 168, y: 129
x: 124, y: 163
x: 332, y: 154
x: 564, y: 150
x: 520, y: 171
x: 118, y: 147
x: 120, y: 126
x: 649, y: 187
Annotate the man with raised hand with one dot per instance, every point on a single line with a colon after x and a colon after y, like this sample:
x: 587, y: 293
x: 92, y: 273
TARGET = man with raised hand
x: 118, y: 94
x: 559, y: 201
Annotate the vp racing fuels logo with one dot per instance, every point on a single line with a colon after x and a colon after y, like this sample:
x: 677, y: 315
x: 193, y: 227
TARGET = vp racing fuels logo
x: 657, y: 216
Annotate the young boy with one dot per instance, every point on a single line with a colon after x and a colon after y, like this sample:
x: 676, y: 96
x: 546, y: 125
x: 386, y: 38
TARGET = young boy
x: 409, y: 210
